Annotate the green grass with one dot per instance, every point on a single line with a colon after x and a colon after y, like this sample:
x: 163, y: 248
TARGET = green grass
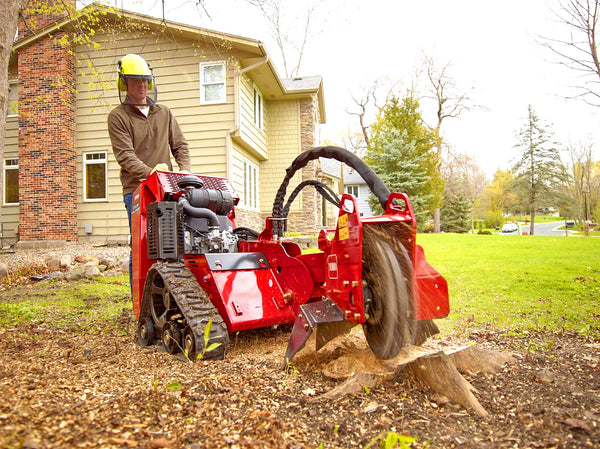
x: 519, y: 282
x: 81, y: 304
x: 509, y: 282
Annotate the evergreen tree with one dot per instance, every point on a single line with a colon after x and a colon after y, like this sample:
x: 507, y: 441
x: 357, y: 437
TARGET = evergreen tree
x: 539, y: 171
x: 400, y: 168
x: 455, y: 214
x: 412, y: 165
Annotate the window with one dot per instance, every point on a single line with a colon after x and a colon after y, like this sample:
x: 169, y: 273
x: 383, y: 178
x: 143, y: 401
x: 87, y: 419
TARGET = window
x: 11, y: 182
x: 12, y: 105
x: 94, y: 176
x: 212, y: 82
x: 250, y: 184
x: 352, y: 190
x: 258, y: 108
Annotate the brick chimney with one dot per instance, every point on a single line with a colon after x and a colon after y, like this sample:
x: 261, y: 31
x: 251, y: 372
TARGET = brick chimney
x: 47, y: 154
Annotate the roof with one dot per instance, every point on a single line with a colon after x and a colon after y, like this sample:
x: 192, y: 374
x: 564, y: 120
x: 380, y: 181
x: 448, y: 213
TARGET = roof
x: 255, y: 58
x: 351, y: 176
x: 299, y: 83
x: 307, y: 84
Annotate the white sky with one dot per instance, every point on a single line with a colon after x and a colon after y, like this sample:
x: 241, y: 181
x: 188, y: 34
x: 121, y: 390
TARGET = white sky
x: 491, y: 46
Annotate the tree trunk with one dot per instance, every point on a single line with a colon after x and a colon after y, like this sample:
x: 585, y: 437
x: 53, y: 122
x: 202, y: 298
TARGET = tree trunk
x: 532, y: 222
x: 9, y: 10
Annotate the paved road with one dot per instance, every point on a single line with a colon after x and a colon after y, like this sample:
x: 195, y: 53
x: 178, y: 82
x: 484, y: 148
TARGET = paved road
x: 546, y: 228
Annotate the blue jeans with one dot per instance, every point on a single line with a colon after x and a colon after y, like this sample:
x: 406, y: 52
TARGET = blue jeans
x: 128, y: 200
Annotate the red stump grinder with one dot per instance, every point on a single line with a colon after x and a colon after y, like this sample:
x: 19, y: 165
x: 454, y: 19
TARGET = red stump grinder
x: 198, y: 278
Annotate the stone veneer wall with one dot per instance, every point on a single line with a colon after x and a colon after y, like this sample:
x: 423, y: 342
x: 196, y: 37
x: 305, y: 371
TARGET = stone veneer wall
x: 309, y: 221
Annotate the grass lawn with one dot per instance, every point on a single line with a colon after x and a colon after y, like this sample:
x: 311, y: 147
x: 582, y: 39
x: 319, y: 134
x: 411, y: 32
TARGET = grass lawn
x: 82, y: 304
x: 519, y: 282
x: 510, y: 282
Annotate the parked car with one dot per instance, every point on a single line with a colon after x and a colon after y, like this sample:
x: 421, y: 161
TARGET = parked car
x: 509, y: 227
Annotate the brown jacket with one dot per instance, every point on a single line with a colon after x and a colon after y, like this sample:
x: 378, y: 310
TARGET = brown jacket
x: 140, y: 143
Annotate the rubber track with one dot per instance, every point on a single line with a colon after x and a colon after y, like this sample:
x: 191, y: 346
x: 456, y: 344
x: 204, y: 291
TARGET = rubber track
x: 195, y: 306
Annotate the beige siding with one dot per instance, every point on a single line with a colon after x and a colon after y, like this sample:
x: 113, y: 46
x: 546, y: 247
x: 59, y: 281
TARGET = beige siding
x: 237, y: 169
x: 284, y: 145
x: 10, y: 214
x: 250, y: 134
x: 176, y: 68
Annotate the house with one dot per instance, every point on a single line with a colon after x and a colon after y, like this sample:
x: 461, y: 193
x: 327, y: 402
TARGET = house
x: 241, y: 120
x: 356, y: 185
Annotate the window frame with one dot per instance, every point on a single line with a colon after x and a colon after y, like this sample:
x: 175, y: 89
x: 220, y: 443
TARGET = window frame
x: 5, y: 168
x: 251, y: 184
x: 87, y: 162
x: 259, y: 107
x: 223, y: 98
x: 354, y: 187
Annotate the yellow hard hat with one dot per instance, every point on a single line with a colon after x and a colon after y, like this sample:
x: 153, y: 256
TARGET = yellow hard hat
x: 134, y: 66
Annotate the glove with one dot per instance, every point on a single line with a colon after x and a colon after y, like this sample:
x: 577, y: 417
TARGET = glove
x: 161, y: 167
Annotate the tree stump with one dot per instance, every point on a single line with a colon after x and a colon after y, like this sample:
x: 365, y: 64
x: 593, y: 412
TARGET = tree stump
x: 477, y: 360
x: 439, y: 373
x: 350, y: 359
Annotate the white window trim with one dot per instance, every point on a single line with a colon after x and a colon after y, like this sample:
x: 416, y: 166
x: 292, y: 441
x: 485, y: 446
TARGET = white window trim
x: 202, y: 83
x: 258, y: 118
x: 5, y: 168
x: 251, y: 185
x: 354, y: 187
x: 95, y: 161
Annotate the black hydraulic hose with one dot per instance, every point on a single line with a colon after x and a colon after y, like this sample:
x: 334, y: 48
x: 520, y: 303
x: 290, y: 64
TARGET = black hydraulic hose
x: 325, y: 191
x: 199, y: 212
x: 375, y: 184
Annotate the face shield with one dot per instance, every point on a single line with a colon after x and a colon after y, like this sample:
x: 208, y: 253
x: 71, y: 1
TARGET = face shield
x: 135, y: 81
x: 139, y: 90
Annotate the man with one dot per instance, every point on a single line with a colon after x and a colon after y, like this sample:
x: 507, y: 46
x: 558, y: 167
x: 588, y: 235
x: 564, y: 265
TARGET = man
x: 143, y: 133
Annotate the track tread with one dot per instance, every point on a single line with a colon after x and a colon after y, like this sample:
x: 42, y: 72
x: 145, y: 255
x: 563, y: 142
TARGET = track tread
x: 195, y: 306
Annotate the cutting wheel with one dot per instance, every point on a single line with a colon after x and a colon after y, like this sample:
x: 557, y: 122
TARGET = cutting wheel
x: 388, y: 293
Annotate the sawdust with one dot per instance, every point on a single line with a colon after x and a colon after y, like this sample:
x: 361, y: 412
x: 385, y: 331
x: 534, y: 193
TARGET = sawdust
x: 64, y: 388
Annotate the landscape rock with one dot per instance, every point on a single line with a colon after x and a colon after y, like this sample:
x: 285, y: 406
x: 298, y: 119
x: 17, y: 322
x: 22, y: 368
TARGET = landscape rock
x: 52, y: 261
x: 65, y: 260
x: 3, y: 270
x: 85, y: 258
x: 88, y: 270
x: 124, y: 265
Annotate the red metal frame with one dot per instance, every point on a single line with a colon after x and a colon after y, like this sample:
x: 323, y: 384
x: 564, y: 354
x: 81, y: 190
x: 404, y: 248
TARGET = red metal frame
x: 273, y: 293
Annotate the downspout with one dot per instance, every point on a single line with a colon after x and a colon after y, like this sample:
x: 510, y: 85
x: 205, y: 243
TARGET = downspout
x: 236, y: 113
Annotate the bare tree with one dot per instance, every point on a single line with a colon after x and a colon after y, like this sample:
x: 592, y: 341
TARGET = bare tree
x: 463, y: 177
x: 285, y: 25
x: 450, y: 102
x: 368, y: 103
x: 353, y: 141
x: 580, y: 167
x: 9, y: 10
x: 578, y: 50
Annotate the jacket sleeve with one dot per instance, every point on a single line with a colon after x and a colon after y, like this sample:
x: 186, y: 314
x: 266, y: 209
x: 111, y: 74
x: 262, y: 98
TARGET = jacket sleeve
x: 178, y: 144
x: 122, y: 144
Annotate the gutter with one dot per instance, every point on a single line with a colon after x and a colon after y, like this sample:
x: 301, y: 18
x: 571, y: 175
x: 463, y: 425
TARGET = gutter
x: 236, y: 113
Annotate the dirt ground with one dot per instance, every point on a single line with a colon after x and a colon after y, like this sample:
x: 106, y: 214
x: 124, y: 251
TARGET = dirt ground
x: 65, y: 388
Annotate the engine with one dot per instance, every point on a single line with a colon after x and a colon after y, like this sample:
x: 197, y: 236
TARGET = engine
x: 196, y: 223
x: 204, y: 217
